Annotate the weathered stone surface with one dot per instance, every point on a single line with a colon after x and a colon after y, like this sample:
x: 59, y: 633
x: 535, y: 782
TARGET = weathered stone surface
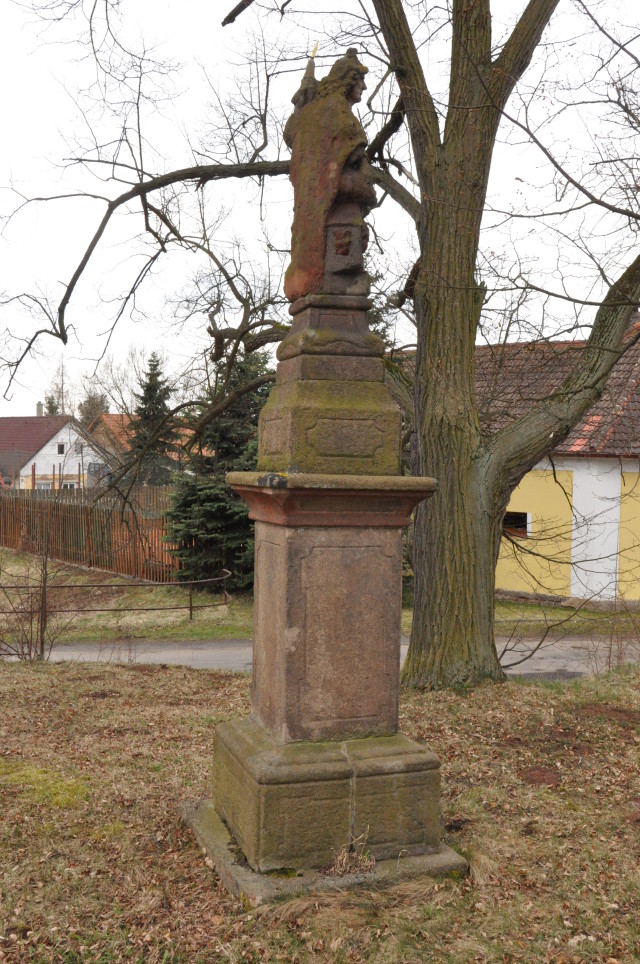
x: 330, y: 171
x: 339, y: 368
x: 421, y: 486
x: 303, y: 499
x: 346, y: 242
x: 286, y: 807
x: 327, y: 613
x: 257, y: 888
x: 397, y: 796
x: 330, y: 326
x: 296, y: 805
x: 346, y: 428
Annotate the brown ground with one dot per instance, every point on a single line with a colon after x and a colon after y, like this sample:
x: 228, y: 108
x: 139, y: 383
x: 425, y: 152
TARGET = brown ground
x: 541, y: 791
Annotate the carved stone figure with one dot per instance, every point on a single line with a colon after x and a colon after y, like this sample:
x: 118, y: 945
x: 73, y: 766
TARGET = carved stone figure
x: 332, y: 183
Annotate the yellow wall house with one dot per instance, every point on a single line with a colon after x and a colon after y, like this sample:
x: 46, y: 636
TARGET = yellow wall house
x: 572, y: 526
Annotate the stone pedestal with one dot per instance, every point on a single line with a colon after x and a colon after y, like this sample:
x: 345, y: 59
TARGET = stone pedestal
x: 327, y: 601
x: 297, y: 805
x: 319, y: 764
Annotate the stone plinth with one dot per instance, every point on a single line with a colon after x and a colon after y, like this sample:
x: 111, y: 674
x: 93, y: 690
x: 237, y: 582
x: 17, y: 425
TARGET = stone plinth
x: 297, y: 805
x: 330, y: 411
x: 329, y: 324
x: 330, y: 427
x: 320, y: 762
x: 255, y: 888
x: 327, y: 601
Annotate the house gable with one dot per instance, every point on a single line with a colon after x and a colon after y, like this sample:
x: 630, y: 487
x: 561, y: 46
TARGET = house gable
x: 22, y: 437
x: 66, y: 459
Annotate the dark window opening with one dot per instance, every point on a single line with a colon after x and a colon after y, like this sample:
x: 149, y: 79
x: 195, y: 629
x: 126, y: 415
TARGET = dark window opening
x: 60, y: 448
x: 515, y: 524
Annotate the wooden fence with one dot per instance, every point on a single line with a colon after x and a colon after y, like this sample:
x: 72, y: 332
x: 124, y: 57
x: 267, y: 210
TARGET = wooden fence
x: 105, y: 532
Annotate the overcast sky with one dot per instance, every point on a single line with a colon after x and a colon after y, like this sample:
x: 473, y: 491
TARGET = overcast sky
x: 40, y: 119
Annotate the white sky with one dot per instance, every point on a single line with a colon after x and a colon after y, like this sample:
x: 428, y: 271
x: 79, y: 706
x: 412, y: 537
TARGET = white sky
x: 41, y: 246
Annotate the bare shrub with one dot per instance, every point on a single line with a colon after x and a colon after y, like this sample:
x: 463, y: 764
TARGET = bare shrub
x: 28, y: 625
x: 353, y: 859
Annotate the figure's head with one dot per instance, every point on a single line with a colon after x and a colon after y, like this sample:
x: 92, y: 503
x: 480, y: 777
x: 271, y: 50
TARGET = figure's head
x: 348, y: 74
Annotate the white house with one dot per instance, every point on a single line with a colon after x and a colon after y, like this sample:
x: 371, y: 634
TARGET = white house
x: 48, y: 452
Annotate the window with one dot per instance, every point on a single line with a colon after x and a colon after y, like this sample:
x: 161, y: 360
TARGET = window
x: 515, y: 524
x: 43, y: 486
x: 68, y: 485
x: 60, y: 448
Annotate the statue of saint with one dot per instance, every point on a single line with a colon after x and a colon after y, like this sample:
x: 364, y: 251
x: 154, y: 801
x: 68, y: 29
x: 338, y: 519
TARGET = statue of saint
x: 332, y: 183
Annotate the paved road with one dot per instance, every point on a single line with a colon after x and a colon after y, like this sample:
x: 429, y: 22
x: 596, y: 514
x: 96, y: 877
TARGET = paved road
x: 562, y: 659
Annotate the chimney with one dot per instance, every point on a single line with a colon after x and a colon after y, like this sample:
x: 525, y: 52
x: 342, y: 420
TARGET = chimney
x: 40, y: 409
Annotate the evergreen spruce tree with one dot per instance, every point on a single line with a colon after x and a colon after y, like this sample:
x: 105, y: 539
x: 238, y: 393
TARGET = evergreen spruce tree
x: 208, y: 524
x: 93, y: 404
x: 51, y: 405
x: 153, y: 435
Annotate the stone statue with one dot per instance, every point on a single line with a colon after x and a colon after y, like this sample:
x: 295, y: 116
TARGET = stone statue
x: 332, y: 183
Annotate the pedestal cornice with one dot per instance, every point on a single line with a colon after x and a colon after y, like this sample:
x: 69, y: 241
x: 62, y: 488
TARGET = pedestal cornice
x: 310, y: 499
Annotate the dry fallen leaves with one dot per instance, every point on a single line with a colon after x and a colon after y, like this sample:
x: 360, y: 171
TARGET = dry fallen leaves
x: 97, y: 865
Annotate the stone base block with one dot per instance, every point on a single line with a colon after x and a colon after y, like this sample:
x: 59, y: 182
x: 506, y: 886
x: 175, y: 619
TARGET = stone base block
x: 321, y: 425
x: 330, y: 324
x: 256, y: 888
x: 297, y: 805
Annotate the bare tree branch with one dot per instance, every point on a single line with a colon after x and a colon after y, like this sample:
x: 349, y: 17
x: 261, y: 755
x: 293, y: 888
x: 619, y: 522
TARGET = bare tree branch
x: 516, y: 54
x: 202, y: 174
x: 237, y: 10
x: 422, y: 118
x: 398, y: 192
x: 384, y: 135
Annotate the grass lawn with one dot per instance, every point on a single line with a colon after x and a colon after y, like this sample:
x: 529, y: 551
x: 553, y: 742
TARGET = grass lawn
x: 531, y: 619
x: 541, y: 791
x: 129, y: 600
x: 235, y: 618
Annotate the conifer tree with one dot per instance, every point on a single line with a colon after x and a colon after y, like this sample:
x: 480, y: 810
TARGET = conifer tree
x: 94, y: 403
x: 153, y: 435
x: 208, y: 524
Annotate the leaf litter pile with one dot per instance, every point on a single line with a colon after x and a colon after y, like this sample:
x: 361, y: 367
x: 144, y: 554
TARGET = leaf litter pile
x: 541, y: 792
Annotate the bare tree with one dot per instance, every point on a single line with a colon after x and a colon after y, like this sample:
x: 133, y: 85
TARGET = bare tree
x: 432, y: 141
x: 29, y: 625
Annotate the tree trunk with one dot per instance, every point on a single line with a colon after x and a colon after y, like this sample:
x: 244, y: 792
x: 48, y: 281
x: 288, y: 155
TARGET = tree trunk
x: 457, y: 530
x: 452, y: 641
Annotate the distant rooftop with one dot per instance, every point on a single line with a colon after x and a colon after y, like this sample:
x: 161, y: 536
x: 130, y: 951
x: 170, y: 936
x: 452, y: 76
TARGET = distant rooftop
x: 511, y: 378
x: 22, y: 437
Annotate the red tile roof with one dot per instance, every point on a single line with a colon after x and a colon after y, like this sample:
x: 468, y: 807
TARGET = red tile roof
x: 21, y: 437
x: 511, y: 378
x: 115, y: 433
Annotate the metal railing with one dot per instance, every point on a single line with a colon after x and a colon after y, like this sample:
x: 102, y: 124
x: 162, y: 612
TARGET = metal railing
x: 36, y: 587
